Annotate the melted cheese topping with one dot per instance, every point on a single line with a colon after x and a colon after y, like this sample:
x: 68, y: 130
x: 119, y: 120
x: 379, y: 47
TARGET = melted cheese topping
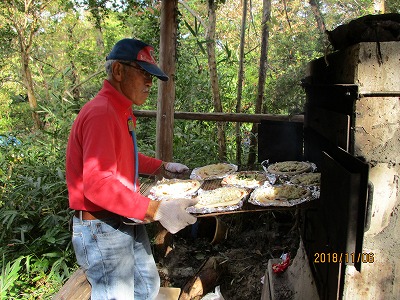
x: 224, y: 196
x: 247, y: 179
x: 175, y: 188
x: 284, y: 192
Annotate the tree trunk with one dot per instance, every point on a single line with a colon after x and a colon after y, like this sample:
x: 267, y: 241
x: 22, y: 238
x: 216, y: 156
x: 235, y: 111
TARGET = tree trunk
x: 28, y: 83
x: 26, y: 32
x: 320, y: 22
x: 212, y: 65
x: 261, y: 77
x: 379, y: 6
x: 98, y: 19
x: 166, y: 90
x: 318, y: 16
x: 240, y: 85
x: 76, y: 91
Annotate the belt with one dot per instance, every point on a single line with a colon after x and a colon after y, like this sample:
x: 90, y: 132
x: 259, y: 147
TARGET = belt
x: 94, y: 215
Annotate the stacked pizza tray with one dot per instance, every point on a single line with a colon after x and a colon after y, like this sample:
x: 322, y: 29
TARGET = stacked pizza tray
x: 219, y: 200
x: 289, y: 183
x: 221, y: 188
x: 213, y: 171
x: 205, y: 185
x: 235, y: 188
x: 281, y: 172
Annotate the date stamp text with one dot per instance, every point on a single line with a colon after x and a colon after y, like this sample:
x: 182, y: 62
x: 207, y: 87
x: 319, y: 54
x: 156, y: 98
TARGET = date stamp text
x: 364, y: 257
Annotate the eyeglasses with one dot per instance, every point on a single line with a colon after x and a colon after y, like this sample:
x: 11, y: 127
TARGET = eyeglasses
x: 146, y: 74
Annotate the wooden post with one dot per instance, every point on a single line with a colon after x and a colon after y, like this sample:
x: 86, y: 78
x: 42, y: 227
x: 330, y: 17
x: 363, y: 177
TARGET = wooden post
x: 166, y: 90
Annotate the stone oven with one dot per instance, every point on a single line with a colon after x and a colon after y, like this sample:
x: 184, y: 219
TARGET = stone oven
x: 352, y: 132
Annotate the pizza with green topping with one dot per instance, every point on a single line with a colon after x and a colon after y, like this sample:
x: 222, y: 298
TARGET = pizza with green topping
x: 289, y: 168
x: 247, y: 179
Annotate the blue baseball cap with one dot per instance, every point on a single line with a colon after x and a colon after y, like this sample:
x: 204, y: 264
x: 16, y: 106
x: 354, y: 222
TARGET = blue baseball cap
x: 138, y: 52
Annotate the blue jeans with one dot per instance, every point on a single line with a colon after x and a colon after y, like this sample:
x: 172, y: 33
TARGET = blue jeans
x: 117, y: 259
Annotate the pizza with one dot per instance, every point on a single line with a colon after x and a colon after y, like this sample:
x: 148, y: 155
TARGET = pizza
x: 213, y: 171
x: 306, y: 179
x: 229, y: 196
x: 277, y: 195
x: 174, y: 188
x: 289, y: 168
x: 247, y: 179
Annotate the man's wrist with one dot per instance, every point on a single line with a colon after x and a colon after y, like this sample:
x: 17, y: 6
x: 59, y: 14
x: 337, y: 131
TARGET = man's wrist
x: 151, y: 210
x: 160, y: 169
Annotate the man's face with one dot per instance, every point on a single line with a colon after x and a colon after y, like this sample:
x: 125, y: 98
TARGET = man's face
x: 135, y: 82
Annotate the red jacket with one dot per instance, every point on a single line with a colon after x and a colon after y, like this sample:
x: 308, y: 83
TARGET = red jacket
x: 100, y: 158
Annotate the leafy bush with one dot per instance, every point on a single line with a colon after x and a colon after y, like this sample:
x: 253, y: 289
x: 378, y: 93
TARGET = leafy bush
x: 9, y: 276
x: 34, y: 214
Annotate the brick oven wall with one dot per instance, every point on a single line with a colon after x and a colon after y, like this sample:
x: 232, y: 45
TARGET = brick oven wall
x: 376, y: 70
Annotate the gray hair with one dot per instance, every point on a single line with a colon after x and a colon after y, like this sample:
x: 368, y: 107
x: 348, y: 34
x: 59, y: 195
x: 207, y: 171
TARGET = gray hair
x: 108, y: 66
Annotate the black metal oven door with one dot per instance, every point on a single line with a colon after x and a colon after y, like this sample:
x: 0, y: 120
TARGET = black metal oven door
x: 343, y: 204
x: 344, y: 186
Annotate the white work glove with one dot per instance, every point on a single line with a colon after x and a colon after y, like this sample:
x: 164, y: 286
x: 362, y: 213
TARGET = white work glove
x: 175, y: 167
x: 172, y: 214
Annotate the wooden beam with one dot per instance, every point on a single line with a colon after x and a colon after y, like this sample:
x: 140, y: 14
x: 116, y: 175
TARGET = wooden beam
x: 166, y: 90
x: 224, y: 117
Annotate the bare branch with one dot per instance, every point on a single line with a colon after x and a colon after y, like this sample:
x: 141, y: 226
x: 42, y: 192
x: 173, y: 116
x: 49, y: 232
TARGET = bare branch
x: 193, y: 13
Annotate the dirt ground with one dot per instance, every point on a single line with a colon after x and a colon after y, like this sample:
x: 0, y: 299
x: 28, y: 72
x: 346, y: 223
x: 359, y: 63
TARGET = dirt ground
x: 251, y: 240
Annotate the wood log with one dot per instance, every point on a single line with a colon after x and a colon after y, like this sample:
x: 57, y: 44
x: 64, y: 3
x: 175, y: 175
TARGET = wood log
x: 77, y: 287
x: 204, y: 281
x: 163, y: 242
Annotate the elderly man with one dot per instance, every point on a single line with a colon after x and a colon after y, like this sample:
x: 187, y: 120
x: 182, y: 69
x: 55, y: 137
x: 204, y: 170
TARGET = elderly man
x: 102, y: 169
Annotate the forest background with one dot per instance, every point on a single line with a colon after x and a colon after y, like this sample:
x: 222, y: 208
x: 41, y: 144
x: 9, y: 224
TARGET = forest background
x: 52, y: 62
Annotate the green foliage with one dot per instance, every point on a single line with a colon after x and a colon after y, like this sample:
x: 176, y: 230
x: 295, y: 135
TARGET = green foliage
x: 34, y: 214
x: 25, y: 278
x: 9, y: 276
x: 392, y: 6
x: 192, y: 146
x: 34, y: 210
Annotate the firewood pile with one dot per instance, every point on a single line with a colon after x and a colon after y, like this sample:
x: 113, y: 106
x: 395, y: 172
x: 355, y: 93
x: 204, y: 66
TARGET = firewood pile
x: 235, y: 264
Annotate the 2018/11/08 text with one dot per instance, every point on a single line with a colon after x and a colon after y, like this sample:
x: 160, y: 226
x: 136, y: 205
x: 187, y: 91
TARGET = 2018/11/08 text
x: 321, y: 258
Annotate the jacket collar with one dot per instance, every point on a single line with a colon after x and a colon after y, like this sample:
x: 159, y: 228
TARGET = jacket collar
x: 115, y: 97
